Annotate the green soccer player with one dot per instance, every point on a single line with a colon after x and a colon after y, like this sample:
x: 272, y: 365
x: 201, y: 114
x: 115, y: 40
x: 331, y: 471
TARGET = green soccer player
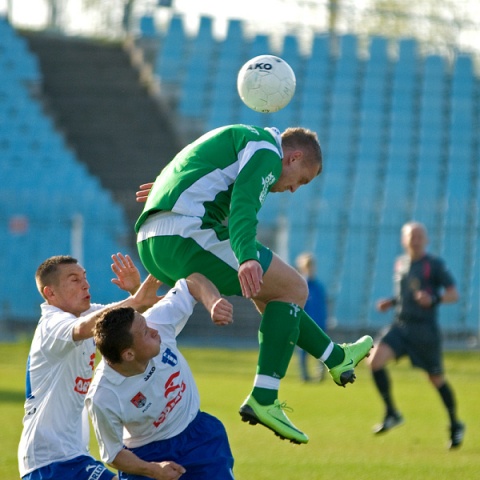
x: 223, y: 176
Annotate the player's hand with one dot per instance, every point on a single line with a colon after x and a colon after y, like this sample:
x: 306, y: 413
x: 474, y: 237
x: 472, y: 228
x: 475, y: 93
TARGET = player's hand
x: 423, y: 298
x: 222, y: 312
x: 384, y: 304
x: 142, y: 194
x: 146, y: 296
x: 168, y: 471
x: 128, y: 276
x: 250, y: 275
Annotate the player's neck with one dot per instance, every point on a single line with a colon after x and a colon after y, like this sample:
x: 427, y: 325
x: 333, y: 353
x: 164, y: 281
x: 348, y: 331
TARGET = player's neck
x: 129, y: 369
x: 416, y: 256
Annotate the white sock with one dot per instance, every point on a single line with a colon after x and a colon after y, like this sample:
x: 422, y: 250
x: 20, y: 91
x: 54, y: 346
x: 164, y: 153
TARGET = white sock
x: 327, y: 352
x: 264, y: 381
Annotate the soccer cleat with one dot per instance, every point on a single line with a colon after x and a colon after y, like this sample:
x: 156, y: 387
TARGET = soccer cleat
x: 390, y: 421
x: 354, y: 352
x: 273, y: 417
x: 457, y: 432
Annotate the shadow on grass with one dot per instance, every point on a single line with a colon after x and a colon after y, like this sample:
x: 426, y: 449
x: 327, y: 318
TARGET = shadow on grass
x: 12, y: 396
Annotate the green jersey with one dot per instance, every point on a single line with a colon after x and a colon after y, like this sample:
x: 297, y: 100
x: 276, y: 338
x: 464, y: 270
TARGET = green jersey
x: 225, y: 174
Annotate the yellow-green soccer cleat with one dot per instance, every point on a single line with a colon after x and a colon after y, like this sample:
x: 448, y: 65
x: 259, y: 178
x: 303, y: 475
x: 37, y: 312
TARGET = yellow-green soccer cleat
x: 273, y: 417
x: 354, y: 353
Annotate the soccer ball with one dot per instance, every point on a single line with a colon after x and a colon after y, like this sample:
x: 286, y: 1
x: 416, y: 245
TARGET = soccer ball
x: 266, y: 83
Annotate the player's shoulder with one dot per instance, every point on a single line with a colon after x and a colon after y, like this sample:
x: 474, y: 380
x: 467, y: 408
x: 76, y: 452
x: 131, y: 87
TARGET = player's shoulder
x: 434, y: 260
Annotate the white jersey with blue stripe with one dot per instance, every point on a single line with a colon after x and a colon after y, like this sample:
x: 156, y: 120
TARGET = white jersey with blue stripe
x: 157, y: 404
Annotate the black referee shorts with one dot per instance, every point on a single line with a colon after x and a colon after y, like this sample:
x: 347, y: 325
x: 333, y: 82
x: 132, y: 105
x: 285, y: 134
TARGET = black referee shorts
x: 420, y: 341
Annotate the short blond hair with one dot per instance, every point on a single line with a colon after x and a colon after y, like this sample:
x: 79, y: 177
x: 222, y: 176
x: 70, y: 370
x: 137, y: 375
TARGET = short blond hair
x: 305, y: 140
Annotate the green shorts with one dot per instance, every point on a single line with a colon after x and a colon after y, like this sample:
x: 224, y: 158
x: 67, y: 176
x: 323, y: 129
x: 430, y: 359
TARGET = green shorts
x: 170, y: 257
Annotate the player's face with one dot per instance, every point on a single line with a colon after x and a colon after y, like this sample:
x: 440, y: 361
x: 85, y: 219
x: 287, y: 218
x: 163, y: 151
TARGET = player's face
x: 295, y: 173
x: 70, y: 292
x: 146, y: 340
x: 414, y: 240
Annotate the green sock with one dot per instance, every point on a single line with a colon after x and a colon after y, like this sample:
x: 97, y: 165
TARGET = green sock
x: 315, y: 341
x: 277, y: 338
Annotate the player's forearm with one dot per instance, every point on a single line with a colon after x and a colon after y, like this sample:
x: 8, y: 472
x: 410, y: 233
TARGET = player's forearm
x: 128, y: 462
x: 450, y: 295
x: 83, y: 329
x: 144, y: 298
x: 202, y: 290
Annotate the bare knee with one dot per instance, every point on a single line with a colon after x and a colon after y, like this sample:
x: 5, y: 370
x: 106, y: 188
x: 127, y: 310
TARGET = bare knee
x: 300, y: 287
x: 282, y: 283
x: 381, y: 355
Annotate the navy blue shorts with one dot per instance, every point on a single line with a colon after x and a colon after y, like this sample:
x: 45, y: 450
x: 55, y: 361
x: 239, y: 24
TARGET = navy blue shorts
x: 202, y: 449
x: 79, y: 468
x: 421, y: 342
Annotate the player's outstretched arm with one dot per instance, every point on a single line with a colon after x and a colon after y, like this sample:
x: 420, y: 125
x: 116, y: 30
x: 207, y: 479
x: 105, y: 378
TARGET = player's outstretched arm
x: 128, y: 462
x: 204, y: 291
x: 144, y: 298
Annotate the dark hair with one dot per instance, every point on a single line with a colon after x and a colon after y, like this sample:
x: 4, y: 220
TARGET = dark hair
x: 46, y: 273
x: 306, y: 140
x: 112, y: 333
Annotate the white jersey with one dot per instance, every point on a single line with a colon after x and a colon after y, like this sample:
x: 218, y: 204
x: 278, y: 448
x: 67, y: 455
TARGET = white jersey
x: 59, y: 372
x: 157, y: 404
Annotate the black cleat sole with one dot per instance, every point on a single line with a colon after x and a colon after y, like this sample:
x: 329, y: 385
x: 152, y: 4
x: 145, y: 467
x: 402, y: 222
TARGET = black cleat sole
x: 347, y: 377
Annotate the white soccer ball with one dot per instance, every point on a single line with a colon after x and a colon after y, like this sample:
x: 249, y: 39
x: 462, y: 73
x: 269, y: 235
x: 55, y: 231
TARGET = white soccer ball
x: 266, y: 83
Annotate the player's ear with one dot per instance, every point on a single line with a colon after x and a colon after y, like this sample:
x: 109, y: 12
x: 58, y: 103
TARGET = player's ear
x: 296, y: 155
x: 48, y: 292
x: 128, y: 355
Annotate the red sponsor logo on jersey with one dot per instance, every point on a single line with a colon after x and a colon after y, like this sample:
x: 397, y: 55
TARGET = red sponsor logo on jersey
x: 92, y: 361
x: 175, y: 388
x: 139, y: 400
x: 82, y: 385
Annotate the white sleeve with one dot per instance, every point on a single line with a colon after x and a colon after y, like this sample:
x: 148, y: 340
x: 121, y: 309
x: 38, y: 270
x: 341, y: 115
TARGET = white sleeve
x: 57, y: 337
x: 106, y: 423
x: 174, y: 309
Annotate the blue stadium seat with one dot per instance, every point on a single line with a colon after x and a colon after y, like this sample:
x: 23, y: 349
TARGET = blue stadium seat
x: 313, y: 96
x: 349, y: 300
x: 224, y: 101
x: 43, y: 187
x: 147, y: 26
x: 172, y: 52
x: 194, y: 88
x: 388, y: 248
x: 259, y: 45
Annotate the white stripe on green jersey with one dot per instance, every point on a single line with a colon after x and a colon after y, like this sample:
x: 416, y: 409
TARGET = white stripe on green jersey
x: 226, y: 173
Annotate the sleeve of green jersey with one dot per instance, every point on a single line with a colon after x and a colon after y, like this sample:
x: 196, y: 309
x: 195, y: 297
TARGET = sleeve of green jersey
x: 252, y: 184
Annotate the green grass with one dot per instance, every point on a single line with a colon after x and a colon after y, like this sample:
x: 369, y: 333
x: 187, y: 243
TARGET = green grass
x: 338, y: 421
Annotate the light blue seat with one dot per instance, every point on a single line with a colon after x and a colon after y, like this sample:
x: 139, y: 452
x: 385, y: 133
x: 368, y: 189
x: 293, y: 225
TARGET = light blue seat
x: 224, y: 100
x: 147, y: 27
x: 172, y: 52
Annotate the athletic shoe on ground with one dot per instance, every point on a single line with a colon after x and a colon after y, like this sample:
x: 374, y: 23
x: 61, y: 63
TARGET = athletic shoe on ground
x: 457, y: 432
x: 272, y: 417
x: 390, y: 421
x: 354, y: 353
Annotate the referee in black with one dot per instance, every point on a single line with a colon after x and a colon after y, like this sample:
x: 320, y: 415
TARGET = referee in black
x: 421, y: 283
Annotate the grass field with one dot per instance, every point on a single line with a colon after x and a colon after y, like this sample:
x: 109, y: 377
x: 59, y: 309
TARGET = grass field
x: 338, y: 421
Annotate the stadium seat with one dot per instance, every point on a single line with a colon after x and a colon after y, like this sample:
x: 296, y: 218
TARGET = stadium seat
x: 195, y: 88
x: 147, y: 27
x: 171, y: 55
x: 224, y: 102
x: 43, y: 187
